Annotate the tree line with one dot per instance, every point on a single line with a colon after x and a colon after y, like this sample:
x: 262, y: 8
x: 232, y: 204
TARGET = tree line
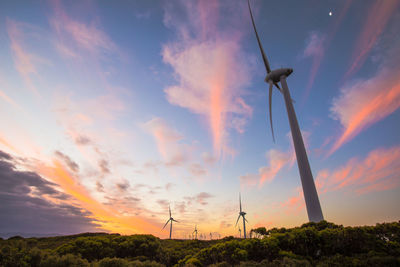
x: 312, y: 244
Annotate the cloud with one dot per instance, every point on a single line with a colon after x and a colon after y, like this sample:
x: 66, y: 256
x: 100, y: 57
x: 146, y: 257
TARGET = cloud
x: 115, y: 218
x: 202, y: 197
x: 25, y: 62
x: 210, y: 68
x: 169, y: 186
x: 104, y: 166
x: 277, y: 160
x: 70, y: 163
x: 378, y: 171
x: 82, y: 140
x: 31, y: 204
x: 168, y: 142
x: 197, y: 170
x: 315, y: 48
x: 317, y: 44
x: 76, y: 35
x: 366, y: 102
x: 123, y: 187
x: 378, y: 16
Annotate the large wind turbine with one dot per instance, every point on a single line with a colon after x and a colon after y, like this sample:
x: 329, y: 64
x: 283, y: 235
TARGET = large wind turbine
x: 242, y: 213
x: 273, y: 78
x: 195, y: 231
x: 170, y: 220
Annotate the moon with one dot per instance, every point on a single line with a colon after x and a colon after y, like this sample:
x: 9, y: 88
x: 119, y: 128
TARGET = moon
x: 330, y: 13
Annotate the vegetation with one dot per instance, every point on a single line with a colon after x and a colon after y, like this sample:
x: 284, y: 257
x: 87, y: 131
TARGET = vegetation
x: 312, y: 244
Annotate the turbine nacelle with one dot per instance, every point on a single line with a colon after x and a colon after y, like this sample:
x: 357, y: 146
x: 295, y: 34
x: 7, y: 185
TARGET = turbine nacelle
x: 242, y: 213
x: 275, y: 75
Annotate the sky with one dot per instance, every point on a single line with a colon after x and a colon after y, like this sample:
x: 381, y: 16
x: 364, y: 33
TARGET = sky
x: 112, y: 111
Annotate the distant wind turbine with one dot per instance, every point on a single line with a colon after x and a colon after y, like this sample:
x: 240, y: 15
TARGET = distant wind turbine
x: 240, y: 233
x: 170, y: 220
x: 242, y: 213
x: 195, y: 231
x: 273, y: 77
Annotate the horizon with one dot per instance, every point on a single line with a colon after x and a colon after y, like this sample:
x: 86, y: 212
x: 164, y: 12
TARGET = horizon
x: 111, y: 112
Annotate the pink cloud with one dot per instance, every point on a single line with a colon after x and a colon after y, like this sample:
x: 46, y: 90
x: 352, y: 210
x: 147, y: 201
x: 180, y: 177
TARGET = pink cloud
x: 378, y: 171
x: 74, y: 34
x: 295, y: 203
x: 315, y: 49
x: 376, y: 20
x: 168, y: 142
x: 366, y: 102
x: 318, y: 43
x: 25, y: 62
x: 210, y: 69
x: 277, y: 160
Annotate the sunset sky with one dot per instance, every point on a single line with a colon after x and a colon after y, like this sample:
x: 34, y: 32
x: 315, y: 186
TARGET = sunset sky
x: 112, y: 110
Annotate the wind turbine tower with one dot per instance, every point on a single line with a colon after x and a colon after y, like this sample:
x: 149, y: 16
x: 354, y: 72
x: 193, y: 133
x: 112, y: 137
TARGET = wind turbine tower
x: 273, y: 78
x: 170, y: 220
x: 195, y: 231
x: 240, y: 233
x: 242, y: 213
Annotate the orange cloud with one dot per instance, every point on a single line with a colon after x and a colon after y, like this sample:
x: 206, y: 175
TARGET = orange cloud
x: 378, y: 16
x: 378, y: 171
x: 210, y: 70
x: 108, y: 218
x: 366, y: 102
x: 277, y: 160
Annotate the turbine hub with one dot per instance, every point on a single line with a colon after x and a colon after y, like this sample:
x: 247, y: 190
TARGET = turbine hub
x: 275, y: 75
x: 242, y: 213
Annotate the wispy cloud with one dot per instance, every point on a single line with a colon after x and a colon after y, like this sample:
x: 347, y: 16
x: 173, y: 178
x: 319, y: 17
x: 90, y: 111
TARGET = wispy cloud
x: 169, y: 144
x: 317, y: 44
x: 366, y: 102
x: 25, y: 61
x: 378, y: 171
x: 74, y: 34
x: 315, y: 48
x: 379, y: 13
x: 277, y: 160
x: 210, y: 68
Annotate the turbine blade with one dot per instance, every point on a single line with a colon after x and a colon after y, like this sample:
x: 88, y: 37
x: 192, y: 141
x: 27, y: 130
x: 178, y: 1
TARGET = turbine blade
x: 277, y: 86
x: 270, y: 111
x: 237, y: 220
x: 246, y: 220
x: 165, y: 224
x: 169, y: 207
x: 174, y: 220
x: 267, y: 67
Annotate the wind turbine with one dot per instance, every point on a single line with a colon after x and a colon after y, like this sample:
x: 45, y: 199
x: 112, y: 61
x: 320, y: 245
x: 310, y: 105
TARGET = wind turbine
x: 170, y: 220
x: 195, y: 231
x: 240, y: 233
x: 242, y: 213
x: 273, y: 77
